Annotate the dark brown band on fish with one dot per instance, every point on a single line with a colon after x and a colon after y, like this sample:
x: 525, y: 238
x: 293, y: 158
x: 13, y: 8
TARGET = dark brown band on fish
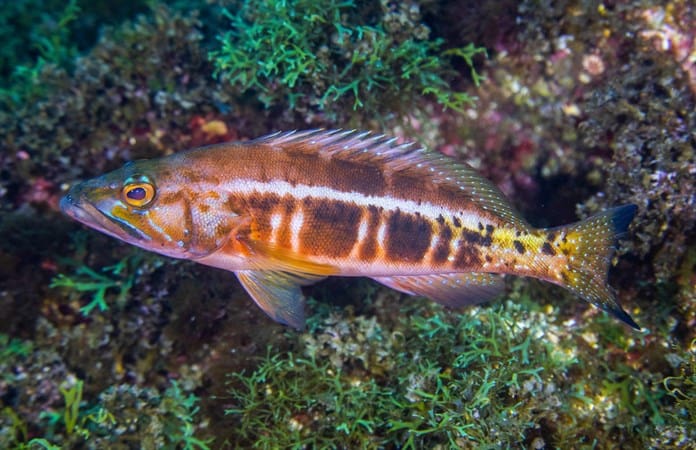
x: 467, y: 257
x: 410, y: 185
x: 260, y: 208
x: 330, y: 227
x: 408, y: 237
x: 312, y: 169
x: 442, y: 249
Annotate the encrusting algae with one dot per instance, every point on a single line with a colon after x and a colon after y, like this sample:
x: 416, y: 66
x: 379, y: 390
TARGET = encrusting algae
x: 289, y: 209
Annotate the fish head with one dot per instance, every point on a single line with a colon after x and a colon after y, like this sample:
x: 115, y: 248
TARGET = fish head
x: 152, y: 204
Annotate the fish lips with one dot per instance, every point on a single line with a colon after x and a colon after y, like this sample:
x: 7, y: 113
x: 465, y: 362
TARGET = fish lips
x: 78, y: 207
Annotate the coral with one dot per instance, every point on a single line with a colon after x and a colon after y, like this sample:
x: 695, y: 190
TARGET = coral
x: 151, y: 418
x: 279, y: 51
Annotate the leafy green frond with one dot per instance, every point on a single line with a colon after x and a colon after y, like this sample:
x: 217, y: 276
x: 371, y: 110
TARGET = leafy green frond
x: 120, y: 277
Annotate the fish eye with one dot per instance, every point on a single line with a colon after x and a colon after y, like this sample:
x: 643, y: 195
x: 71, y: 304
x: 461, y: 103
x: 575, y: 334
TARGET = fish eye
x: 138, y: 194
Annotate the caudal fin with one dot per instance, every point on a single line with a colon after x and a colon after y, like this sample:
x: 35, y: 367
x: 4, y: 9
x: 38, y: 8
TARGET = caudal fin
x: 589, y: 246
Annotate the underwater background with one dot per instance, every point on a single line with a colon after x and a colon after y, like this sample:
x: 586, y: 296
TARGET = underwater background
x: 570, y: 107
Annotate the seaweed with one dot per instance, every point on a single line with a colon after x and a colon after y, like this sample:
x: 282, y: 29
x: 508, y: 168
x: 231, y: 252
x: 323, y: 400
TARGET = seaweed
x: 120, y: 276
x: 488, y: 377
x: 442, y: 376
x: 280, y: 52
x: 51, y: 45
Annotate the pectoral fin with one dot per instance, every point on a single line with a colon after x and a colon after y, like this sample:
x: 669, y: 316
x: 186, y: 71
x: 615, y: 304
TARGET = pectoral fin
x: 278, y: 293
x: 451, y: 290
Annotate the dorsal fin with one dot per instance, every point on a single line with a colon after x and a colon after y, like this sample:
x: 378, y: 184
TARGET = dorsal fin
x: 383, y: 150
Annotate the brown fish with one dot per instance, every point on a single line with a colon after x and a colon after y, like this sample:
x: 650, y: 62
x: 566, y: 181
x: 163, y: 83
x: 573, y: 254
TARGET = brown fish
x: 291, y: 208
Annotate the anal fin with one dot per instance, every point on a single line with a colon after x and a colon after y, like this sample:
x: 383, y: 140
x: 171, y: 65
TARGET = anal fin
x: 278, y: 293
x: 452, y: 290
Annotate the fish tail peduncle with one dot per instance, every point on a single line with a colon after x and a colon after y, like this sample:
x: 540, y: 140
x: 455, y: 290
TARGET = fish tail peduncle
x: 589, y: 246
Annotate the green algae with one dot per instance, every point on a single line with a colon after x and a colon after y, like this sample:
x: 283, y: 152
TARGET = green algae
x: 10, y: 347
x: 19, y: 80
x: 45, y: 35
x: 486, y: 378
x: 279, y: 51
x: 120, y: 276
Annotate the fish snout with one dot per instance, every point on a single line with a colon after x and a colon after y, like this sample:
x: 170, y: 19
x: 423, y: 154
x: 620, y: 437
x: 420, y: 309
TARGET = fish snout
x: 71, y: 202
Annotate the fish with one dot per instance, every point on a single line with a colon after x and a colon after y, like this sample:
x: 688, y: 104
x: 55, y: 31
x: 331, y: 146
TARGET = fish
x: 291, y: 208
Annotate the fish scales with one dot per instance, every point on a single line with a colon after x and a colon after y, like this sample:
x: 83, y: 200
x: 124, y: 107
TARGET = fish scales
x: 333, y: 208
x: 288, y: 209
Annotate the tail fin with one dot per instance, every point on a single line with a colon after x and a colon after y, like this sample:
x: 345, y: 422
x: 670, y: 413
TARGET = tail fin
x: 589, y: 245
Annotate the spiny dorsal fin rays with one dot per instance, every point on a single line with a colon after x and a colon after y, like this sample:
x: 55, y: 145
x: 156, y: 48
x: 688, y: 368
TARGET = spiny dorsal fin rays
x: 362, y: 145
x: 451, y: 290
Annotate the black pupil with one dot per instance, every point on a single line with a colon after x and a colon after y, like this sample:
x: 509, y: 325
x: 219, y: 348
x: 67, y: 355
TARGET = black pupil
x: 136, y: 193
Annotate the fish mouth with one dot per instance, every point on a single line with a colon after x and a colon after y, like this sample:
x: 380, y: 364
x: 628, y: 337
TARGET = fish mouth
x: 75, y: 210
x: 82, y: 210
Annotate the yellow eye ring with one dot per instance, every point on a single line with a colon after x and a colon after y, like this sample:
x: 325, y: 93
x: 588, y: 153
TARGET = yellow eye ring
x: 138, y: 194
